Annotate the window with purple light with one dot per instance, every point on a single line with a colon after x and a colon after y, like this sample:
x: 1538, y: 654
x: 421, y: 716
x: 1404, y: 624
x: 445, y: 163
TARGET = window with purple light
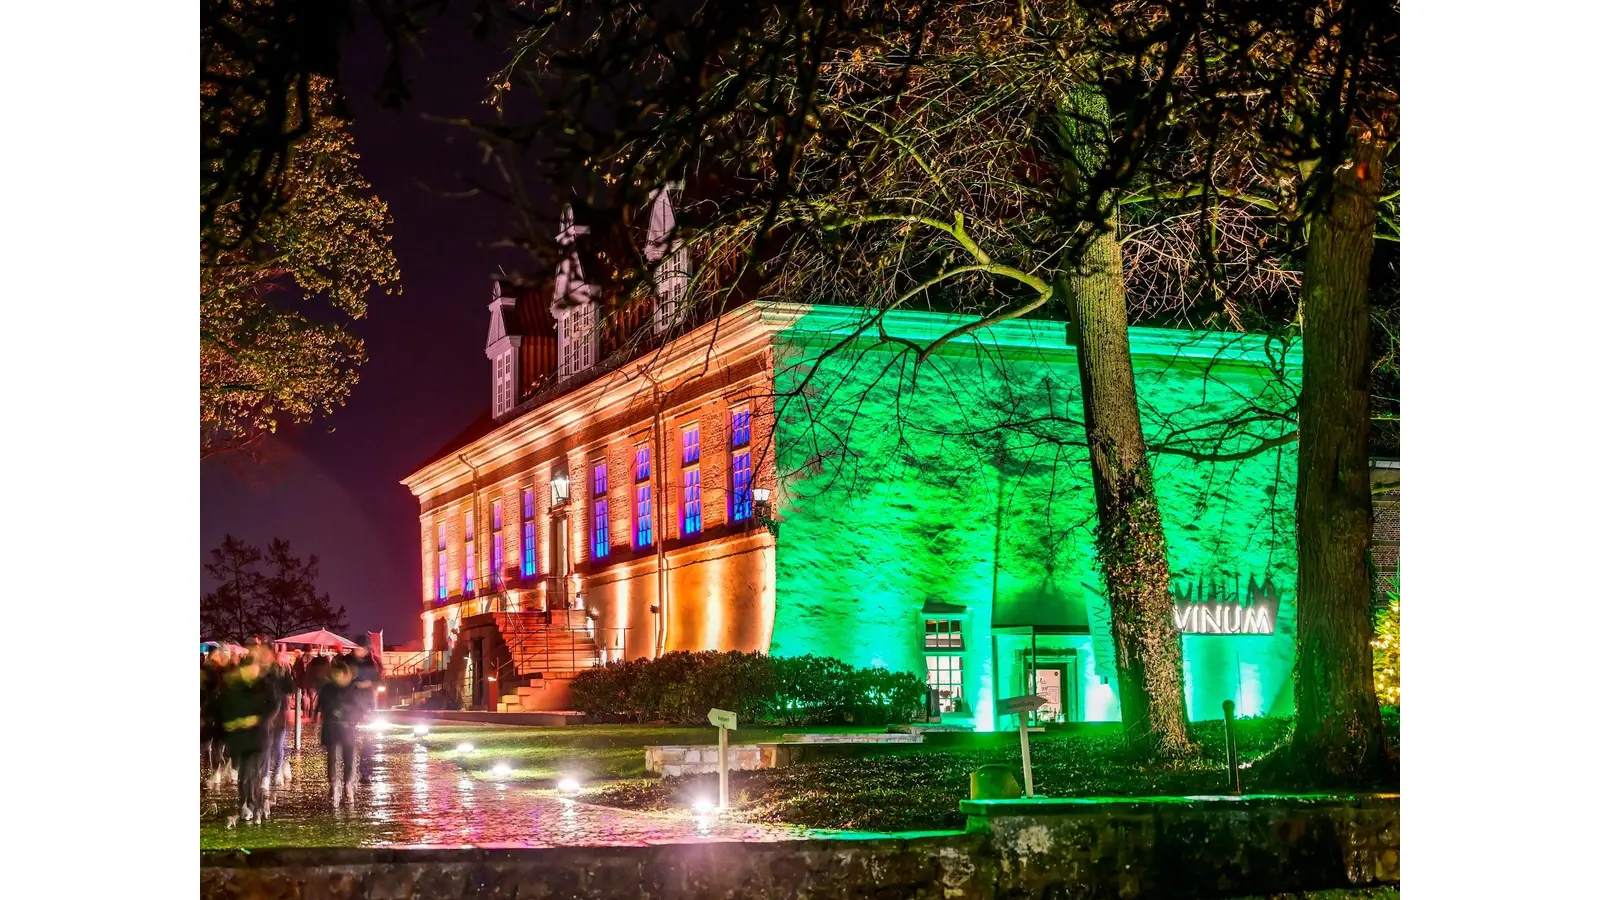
x: 601, y: 538
x: 471, y: 585
x: 643, y: 514
x: 497, y: 550
x: 689, y: 520
x: 739, y: 499
x: 530, y: 565
x: 443, y: 560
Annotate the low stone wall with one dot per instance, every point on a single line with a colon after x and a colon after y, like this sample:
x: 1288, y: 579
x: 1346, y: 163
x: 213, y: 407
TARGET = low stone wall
x: 669, y: 759
x: 1155, y: 848
x: 944, y: 866
x: 1192, y: 846
x: 854, y: 738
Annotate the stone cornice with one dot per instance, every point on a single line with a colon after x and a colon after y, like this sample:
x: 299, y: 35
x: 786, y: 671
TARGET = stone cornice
x: 677, y: 359
x: 807, y: 323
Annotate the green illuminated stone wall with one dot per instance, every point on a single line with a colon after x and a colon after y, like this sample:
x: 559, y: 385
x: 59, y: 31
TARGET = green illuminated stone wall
x: 964, y: 482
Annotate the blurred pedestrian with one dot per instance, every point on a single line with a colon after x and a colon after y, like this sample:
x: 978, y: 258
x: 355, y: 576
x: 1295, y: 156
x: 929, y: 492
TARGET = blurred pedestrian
x: 365, y: 679
x: 273, y: 670
x: 213, y: 752
x: 316, y: 676
x: 245, y: 707
x: 338, y: 704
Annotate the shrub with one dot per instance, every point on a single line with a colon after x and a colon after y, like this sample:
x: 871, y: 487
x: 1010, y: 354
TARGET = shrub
x: 681, y: 687
x: 1386, y: 652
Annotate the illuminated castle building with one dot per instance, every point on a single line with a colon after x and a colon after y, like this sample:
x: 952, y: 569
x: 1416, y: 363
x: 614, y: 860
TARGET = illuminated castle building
x: 779, y: 478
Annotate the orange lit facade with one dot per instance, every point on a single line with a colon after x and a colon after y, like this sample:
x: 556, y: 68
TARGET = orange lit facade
x: 656, y: 562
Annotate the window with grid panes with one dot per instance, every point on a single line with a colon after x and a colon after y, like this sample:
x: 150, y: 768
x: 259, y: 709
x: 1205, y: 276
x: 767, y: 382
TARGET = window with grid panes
x: 942, y: 634
x: 643, y: 514
x: 740, y: 504
x: 690, y: 519
x: 944, y: 676
x: 600, y: 542
x: 530, y: 558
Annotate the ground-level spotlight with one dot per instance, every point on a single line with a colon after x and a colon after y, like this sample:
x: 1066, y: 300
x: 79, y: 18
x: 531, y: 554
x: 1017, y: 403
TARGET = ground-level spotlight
x: 704, y: 807
x: 377, y: 724
x: 501, y: 769
x: 419, y: 730
x: 464, y: 747
x: 568, y: 786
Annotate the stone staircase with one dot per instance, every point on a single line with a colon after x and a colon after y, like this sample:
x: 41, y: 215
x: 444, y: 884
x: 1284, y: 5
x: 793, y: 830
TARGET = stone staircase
x: 548, y: 650
x: 419, y: 699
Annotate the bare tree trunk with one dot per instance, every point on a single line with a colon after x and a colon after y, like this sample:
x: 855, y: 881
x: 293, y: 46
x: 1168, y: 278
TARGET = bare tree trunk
x: 1132, y: 546
x: 1339, y: 735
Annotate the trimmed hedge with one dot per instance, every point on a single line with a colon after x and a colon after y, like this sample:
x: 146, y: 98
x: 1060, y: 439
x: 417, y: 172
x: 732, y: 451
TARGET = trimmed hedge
x: 682, y: 687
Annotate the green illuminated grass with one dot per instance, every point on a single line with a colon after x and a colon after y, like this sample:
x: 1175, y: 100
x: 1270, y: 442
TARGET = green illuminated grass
x: 920, y: 787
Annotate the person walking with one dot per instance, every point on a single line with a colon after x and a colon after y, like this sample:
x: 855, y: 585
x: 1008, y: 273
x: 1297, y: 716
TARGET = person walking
x: 277, y: 675
x: 338, y: 704
x: 365, y: 679
x: 316, y: 676
x: 213, y: 753
x: 245, y: 706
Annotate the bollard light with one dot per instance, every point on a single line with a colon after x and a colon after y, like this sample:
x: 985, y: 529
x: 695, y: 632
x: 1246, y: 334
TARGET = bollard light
x: 464, y: 747
x: 568, y: 786
x: 704, y: 806
x: 419, y: 730
x: 502, y: 769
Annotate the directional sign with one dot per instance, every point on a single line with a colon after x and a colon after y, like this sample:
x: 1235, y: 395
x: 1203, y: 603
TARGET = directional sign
x: 1026, y: 703
x: 724, y: 719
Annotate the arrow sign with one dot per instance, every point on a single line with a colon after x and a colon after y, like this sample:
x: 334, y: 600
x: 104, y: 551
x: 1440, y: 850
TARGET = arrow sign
x: 1026, y: 703
x: 724, y: 719
x: 1021, y: 706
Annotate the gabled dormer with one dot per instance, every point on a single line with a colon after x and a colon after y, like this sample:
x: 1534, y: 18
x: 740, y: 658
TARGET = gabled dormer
x: 501, y: 348
x: 667, y: 256
x: 573, y: 304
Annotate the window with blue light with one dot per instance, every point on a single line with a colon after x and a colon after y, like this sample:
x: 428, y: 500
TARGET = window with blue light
x: 497, y: 550
x: 471, y: 584
x: 443, y: 559
x: 601, y: 543
x: 643, y: 514
x: 739, y: 497
x: 530, y: 566
x: 642, y: 529
x: 689, y: 517
x: 691, y: 501
x: 691, y: 445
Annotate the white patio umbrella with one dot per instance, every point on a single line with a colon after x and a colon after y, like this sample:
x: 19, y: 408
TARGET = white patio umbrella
x: 321, y: 638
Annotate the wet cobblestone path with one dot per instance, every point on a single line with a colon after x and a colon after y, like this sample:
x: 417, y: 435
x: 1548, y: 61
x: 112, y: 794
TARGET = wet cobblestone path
x: 418, y: 800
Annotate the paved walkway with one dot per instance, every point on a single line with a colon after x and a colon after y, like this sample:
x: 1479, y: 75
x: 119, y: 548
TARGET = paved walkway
x: 415, y: 800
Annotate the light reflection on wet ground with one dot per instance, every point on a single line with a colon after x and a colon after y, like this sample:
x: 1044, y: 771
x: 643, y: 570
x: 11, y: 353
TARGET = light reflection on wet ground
x: 415, y: 800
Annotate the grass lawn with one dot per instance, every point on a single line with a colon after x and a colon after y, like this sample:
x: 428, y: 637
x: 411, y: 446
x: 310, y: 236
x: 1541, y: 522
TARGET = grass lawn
x: 913, y: 787
x: 898, y: 787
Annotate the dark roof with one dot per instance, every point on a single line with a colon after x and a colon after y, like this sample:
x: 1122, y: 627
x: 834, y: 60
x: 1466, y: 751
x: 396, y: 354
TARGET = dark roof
x: 480, y: 426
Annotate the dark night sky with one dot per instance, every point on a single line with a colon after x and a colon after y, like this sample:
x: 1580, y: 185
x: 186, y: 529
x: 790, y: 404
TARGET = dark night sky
x: 337, y: 494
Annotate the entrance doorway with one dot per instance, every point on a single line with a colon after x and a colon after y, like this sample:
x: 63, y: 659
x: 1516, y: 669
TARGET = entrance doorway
x: 1056, y: 678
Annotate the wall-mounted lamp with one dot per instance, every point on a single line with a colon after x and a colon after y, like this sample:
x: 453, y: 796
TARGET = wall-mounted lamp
x: 763, y: 498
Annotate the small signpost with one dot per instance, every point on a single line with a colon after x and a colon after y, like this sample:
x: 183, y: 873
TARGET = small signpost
x: 724, y: 721
x: 1022, y: 706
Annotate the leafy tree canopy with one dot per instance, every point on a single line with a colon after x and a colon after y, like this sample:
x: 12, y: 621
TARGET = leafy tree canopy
x: 268, y: 352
